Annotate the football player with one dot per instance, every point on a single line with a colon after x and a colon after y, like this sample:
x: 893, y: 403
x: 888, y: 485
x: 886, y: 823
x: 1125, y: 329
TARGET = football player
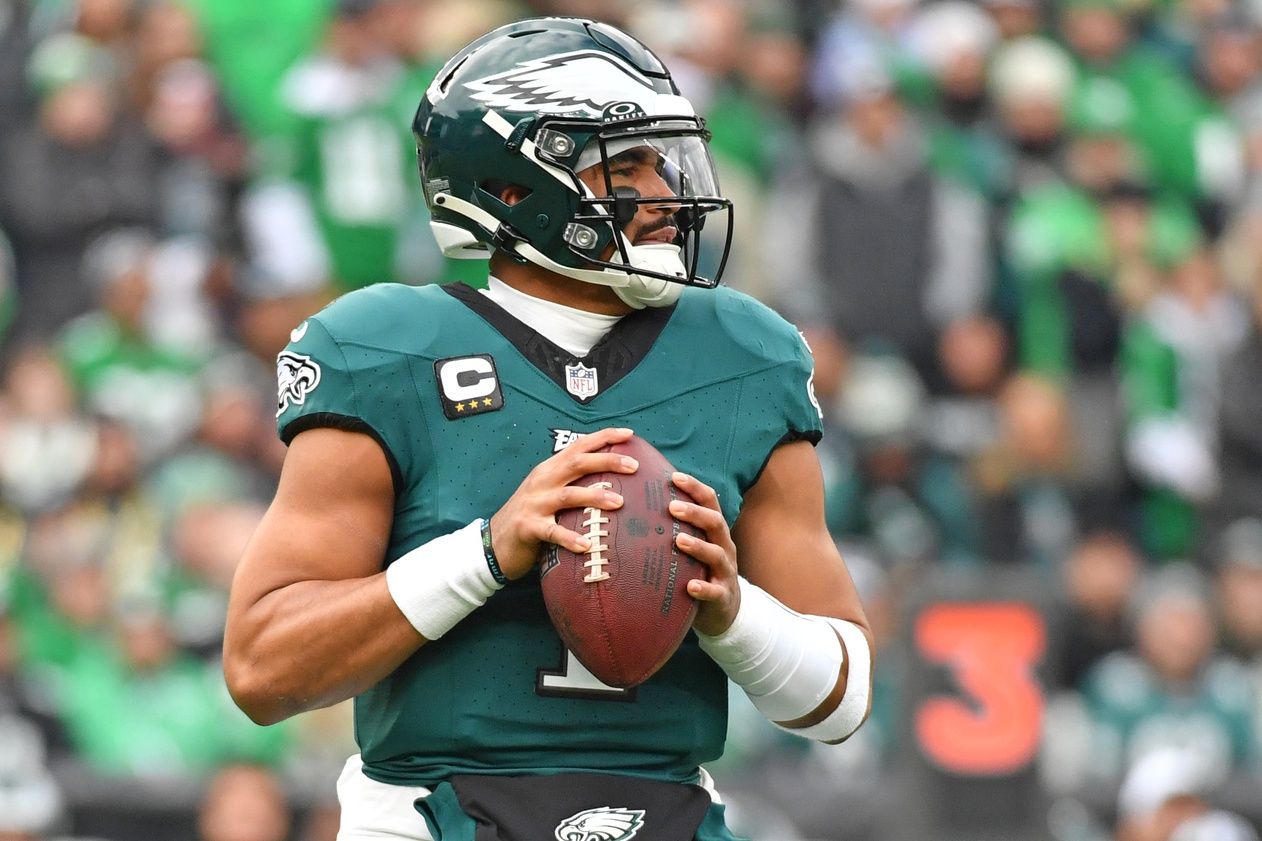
x: 433, y: 433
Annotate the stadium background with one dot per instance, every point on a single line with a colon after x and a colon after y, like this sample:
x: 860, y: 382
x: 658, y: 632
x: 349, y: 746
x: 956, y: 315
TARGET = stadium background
x: 1023, y: 238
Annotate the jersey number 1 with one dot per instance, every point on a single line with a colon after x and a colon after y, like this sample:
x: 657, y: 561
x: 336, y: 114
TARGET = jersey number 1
x: 572, y: 680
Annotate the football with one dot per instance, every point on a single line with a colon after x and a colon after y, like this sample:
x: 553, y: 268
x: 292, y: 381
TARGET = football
x: 623, y: 607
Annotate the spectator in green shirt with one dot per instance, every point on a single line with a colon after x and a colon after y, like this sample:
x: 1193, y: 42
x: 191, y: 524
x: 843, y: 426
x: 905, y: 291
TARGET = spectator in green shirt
x: 251, y: 45
x: 1172, y: 691
x: 1175, y: 355
x: 144, y: 707
x: 1159, y: 108
x: 118, y: 369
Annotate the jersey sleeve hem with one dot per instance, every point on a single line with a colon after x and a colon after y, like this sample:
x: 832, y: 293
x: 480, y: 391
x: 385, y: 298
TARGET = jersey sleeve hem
x: 812, y: 435
x: 347, y: 423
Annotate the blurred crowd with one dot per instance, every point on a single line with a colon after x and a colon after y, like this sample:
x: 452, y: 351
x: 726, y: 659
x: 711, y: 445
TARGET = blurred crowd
x: 1023, y: 238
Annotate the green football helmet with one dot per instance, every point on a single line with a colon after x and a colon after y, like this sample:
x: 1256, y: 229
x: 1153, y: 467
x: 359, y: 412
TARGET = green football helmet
x: 534, y: 103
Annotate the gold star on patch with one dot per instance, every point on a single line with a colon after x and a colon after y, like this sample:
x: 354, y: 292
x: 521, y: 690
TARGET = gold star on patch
x: 486, y: 401
x: 459, y: 407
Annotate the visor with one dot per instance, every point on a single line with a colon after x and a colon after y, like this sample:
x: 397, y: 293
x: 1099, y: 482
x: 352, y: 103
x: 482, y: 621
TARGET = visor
x: 682, y: 176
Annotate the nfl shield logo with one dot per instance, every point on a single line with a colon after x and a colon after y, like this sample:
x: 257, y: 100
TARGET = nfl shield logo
x: 581, y: 381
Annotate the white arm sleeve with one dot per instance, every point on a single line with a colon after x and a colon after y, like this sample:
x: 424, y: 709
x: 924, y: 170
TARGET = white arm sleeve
x: 790, y: 666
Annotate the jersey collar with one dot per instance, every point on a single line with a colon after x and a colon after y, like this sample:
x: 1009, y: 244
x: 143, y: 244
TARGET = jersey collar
x: 613, y: 357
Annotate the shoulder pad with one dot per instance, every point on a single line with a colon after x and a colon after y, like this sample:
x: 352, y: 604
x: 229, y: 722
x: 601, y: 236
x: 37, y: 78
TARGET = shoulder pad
x: 756, y: 327
x: 377, y: 315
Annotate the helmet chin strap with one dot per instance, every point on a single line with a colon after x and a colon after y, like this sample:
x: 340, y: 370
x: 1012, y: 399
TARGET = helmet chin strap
x: 635, y: 290
x: 644, y: 291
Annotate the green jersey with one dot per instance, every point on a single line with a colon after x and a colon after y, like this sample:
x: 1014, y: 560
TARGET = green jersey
x: 1211, y: 717
x: 347, y: 150
x: 465, y: 400
x: 251, y: 45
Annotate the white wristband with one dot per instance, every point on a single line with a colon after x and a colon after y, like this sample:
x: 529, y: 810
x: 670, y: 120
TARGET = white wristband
x: 441, y: 582
x: 790, y: 664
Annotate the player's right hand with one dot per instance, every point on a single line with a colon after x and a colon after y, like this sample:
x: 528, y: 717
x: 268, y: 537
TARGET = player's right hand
x: 528, y: 519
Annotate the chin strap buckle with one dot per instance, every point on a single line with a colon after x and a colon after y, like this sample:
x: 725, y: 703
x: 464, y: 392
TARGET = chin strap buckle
x: 505, y: 240
x: 518, y: 135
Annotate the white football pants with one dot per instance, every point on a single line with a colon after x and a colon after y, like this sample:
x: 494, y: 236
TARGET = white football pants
x: 372, y: 811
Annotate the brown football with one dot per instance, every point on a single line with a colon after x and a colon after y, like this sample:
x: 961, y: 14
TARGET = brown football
x: 623, y: 607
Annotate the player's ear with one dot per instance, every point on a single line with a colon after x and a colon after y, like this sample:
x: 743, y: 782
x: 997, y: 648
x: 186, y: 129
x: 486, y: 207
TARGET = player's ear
x: 510, y: 194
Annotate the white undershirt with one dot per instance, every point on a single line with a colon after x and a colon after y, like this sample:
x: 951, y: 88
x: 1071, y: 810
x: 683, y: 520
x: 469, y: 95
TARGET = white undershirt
x: 573, y: 329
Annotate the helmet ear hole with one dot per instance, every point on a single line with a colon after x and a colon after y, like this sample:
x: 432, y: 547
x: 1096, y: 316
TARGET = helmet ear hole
x: 507, y: 194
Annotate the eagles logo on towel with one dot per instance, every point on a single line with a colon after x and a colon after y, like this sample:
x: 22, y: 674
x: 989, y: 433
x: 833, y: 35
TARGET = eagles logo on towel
x: 605, y: 823
x: 296, y: 377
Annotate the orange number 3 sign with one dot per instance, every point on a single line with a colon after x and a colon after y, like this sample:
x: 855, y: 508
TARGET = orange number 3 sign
x: 991, y: 650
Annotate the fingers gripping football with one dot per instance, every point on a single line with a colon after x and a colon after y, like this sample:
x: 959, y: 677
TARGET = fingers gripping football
x: 528, y: 519
x: 720, y: 597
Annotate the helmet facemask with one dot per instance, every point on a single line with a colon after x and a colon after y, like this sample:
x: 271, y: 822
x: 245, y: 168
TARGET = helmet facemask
x: 671, y: 248
x: 594, y: 245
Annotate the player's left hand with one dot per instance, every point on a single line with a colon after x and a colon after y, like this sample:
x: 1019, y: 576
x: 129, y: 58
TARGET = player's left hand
x: 720, y: 597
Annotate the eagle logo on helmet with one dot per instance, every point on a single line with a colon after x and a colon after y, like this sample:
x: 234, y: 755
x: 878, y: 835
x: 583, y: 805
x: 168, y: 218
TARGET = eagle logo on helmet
x: 296, y: 377
x: 605, y: 823
x: 579, y: 83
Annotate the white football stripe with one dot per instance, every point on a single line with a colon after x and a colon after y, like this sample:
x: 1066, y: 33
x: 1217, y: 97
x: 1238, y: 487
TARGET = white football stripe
x: 504, y: 128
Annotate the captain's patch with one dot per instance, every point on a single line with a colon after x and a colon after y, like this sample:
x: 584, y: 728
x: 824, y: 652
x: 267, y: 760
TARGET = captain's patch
x: 296, y: 377
x: 468, y: 385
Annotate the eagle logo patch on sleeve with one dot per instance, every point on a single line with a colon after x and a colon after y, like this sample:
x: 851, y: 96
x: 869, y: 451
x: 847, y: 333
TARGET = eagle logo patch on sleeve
x: 605, y: 823
x: 296, y: 377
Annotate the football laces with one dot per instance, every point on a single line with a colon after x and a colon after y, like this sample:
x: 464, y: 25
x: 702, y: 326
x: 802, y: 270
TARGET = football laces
x: 596, y: 560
